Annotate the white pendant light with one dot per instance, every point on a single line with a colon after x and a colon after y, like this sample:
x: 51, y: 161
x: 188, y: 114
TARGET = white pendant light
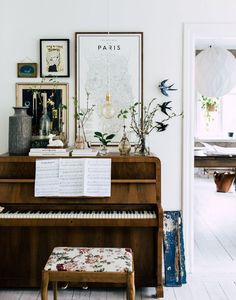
x: 215, y: 72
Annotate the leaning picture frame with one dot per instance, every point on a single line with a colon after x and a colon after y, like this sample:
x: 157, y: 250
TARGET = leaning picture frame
x: 37, y: 97
x: 108, y: 64
x: 54, y: 58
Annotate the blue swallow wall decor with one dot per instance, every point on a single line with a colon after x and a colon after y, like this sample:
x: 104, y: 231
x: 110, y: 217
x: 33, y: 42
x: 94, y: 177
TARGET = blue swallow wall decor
x: 164, y: 88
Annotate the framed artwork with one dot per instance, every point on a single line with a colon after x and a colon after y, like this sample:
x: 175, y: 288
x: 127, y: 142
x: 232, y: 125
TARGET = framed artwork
x: 109, y: 66
x: 54, y: 58
x: 26, y: 70
x: 38, y: 97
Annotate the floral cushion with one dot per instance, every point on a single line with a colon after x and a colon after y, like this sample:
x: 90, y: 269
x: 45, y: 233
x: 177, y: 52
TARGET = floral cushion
x: 90, y: 259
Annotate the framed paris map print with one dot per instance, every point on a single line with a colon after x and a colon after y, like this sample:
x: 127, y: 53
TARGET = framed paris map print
x: 108, y: 64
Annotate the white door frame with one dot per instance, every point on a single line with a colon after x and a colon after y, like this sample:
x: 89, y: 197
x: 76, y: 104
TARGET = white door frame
x: 195, y: 34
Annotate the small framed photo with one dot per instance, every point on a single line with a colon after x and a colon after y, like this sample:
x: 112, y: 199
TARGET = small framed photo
x: 41, y: 97
x: 26, y: 70
x: 54, y: 58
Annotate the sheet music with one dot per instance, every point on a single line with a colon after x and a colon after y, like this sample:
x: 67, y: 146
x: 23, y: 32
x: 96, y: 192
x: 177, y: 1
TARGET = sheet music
x: 73, y: 177
x: 98, y: 177
x: 46, y: 178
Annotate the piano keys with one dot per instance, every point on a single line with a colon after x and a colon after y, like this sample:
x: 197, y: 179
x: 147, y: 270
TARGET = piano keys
x: 30, y: 227
x: 66, y: 214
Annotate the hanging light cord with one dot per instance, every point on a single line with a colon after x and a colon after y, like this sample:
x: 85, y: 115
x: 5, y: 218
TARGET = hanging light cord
x: 108, y: 35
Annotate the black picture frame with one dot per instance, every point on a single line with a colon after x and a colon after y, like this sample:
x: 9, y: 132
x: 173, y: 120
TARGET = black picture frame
x: 54, y: 58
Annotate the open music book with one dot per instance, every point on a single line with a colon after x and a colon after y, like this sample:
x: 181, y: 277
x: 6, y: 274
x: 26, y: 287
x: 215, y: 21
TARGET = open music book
x: 73, y: 177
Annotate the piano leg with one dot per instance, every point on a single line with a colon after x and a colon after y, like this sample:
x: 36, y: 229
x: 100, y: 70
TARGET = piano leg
x: 44, y: 288
x: 159, y: 290
x: 159, y: 245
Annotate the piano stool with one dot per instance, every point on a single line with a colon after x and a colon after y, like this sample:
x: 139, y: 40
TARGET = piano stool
x: 86, y: 265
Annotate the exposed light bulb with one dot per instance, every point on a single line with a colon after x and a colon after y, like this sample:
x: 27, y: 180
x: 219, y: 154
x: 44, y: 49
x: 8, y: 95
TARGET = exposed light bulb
x: 108, y: 110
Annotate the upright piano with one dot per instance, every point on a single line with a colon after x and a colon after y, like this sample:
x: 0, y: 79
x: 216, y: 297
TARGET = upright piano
x: 30, y: 227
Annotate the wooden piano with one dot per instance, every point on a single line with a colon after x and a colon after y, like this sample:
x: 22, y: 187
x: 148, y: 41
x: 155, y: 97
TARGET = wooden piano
x: 30, y: 227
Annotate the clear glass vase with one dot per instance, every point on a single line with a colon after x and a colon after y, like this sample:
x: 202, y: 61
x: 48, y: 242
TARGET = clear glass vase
x: 103, y: 150
x: 45, y: 123
x: 80, y: 141
x: 141, y: 148
x: 124, y: 145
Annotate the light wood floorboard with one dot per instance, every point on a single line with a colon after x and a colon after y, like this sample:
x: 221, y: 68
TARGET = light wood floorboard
x: 214, y: 276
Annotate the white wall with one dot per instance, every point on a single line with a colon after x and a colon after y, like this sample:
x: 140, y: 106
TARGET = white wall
x: 23, y: 23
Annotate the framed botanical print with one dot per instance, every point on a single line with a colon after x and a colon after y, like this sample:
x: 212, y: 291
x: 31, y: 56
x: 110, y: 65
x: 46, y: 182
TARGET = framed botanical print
x: 54, y: 58
x: 49, y: 98
x: 109, y: 69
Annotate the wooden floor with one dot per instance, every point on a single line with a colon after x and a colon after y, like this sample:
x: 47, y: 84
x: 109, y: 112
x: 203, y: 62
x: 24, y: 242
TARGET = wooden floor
x: 214, y: 277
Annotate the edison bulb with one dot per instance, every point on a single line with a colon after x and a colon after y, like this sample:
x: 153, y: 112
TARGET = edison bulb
x: 108, y: 110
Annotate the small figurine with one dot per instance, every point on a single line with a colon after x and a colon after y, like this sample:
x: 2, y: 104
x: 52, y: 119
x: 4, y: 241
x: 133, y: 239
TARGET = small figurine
x: 165, y: 88
x: 54, y: 143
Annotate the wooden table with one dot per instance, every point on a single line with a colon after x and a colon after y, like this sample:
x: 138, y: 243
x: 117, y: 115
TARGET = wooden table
x: 207, y: 161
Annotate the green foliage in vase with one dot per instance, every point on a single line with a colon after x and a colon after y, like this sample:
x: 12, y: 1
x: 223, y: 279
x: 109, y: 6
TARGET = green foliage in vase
x: 104, y: 138
x: 150, y: 121
x: 82, y: 115
x: 123, y: 114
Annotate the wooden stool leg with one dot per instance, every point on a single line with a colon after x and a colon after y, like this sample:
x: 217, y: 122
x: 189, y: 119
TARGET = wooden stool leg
x: 44, y: 287
x: 54, y: 284
x: 130, y: 286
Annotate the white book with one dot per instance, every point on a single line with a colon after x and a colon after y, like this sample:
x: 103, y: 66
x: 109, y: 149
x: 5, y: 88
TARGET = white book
x: 58, y: 150
x: 73, y: 177
x: 49, y: 153
x: 83, y: 150
x: 93, y: 152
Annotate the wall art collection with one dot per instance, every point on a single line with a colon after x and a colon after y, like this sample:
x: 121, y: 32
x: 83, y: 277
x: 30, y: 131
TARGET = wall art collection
x: 106, y: 63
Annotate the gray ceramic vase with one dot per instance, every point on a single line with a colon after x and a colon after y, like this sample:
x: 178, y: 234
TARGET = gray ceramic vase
x: 20, y: 132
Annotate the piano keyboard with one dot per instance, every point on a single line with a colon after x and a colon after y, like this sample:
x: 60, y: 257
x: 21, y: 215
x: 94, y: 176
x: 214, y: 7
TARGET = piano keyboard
x: 104, y: 214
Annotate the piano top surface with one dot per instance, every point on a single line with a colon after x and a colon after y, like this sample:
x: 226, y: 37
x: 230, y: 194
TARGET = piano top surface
x: 115, y: 156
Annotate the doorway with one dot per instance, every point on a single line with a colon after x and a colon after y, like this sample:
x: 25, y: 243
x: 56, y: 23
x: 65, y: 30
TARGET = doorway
x: 222, y: 34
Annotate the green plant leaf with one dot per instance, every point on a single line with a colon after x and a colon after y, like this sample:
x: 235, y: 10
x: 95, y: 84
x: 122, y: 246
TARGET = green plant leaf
x: 110, y: 136
x: 97, y: 133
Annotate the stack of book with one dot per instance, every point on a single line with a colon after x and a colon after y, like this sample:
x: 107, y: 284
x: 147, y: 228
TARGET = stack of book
x: 84, y: 152
x: 50, y: 152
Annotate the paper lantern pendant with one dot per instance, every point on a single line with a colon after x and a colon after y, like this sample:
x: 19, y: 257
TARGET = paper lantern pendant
x: 215, y: 72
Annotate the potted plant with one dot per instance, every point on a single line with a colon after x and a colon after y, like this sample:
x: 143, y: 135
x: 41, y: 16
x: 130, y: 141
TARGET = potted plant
x: 104, y: 138
x: 209, y: 105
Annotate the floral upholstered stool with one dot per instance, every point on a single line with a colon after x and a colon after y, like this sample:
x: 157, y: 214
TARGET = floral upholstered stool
x: 86, y: 265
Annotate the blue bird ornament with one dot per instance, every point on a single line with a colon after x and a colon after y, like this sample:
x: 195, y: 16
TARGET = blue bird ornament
x: 164, y: 88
